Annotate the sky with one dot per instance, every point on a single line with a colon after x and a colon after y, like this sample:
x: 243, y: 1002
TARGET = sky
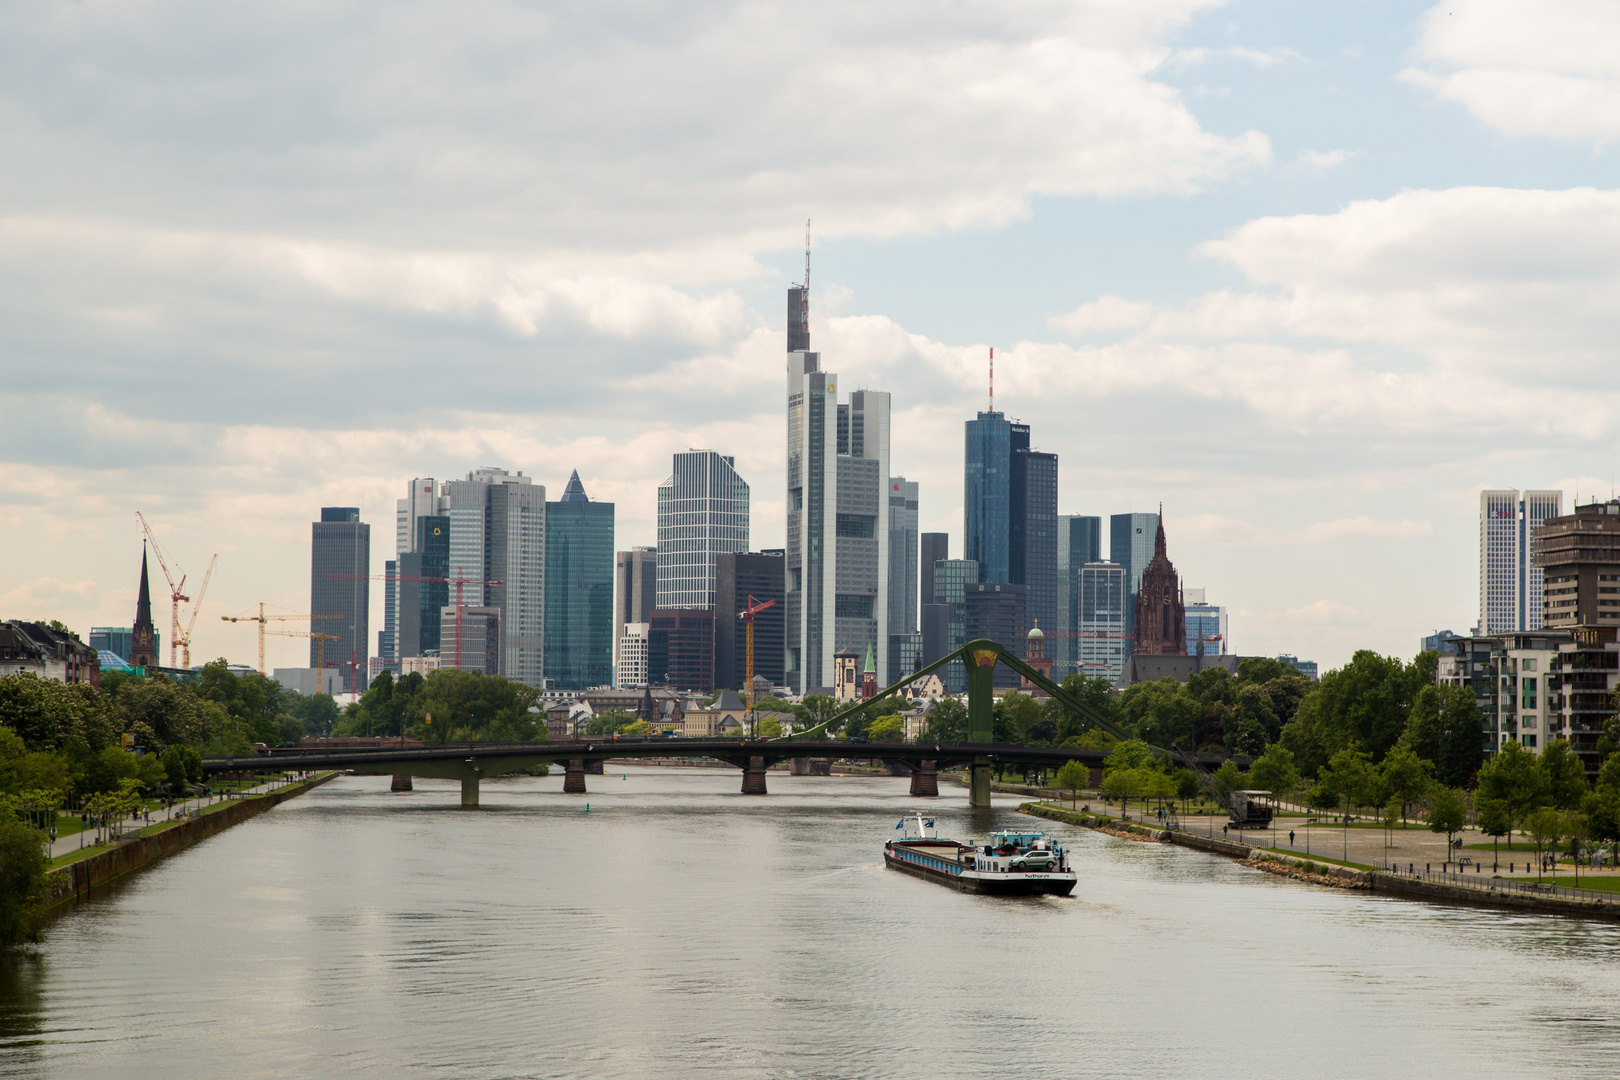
x: 1310, y: 275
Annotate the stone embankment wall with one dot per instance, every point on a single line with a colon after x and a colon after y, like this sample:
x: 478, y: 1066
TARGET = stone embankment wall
x: 75, y: 881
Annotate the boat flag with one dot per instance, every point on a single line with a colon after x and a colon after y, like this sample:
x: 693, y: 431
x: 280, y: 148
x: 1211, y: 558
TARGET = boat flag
x: 900, y: 824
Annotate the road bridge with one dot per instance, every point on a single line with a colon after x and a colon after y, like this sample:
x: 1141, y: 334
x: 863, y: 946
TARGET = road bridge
x: 471, y: 762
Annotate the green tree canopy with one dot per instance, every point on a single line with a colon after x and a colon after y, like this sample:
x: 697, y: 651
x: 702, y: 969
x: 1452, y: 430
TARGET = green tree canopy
x: 1363, y: 706
x: 1516, y: 780
x: 1162, y: 713
x: 947, y: 721
x: 1566, y: 775
x: 1448, y: 812
x: 1443, y: 727
x: 1274, y: 771
x: 1404, y: 776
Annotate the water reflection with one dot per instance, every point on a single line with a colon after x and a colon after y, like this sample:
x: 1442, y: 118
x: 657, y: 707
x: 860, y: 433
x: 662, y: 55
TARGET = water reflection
x: 679, y: 929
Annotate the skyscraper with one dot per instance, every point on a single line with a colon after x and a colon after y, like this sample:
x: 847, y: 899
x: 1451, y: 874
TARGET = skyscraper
x: 1510, y: 584
x: 837, y: 516
x: 952, y: 577
x: 1010, y: 522
x: 1104, y: 600
x: 1079, y: 541
x: 498, y: 533
x: 931, y: 548
x: 635, y: 588
x: 340, y: 591
x: 905, y: 642
x: 422, y: 499
x: 702, y: 510
x: 422, y: 590
x: 1130, y: 545
x: 579, y: 590
x: 739, y: 575
x: 1207, y: 630
x: 996, y: 610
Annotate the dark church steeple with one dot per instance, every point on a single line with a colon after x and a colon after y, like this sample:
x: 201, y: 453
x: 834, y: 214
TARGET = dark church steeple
x: 1161, y: 616
x: 143, y: 642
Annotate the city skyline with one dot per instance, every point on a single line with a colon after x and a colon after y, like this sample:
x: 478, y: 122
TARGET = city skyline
x: 1241, y: 187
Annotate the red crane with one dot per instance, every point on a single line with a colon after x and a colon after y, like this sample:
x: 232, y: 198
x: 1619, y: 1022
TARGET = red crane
x: 458, y: 582
x: 747, y: 615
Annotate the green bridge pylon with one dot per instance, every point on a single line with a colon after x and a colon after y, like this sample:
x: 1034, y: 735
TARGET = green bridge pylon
x: 980, y: 657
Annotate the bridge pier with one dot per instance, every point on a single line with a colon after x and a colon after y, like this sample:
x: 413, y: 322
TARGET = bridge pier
x: 978, y: 784
x: 925, y: 781
x: 469, y: 791
x: 754, y: 777
x: 401, y: 782
x: 574, y: 778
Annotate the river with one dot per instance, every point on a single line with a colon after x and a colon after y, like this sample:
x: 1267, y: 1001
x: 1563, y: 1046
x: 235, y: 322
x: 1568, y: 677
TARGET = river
x: 680, y: 929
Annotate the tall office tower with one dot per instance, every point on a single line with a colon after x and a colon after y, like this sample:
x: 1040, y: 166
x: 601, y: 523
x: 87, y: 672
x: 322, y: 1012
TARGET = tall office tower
x: 1104, y: 602
x: 422, y: 591
x: 635, y: 576
x: 1580, y: 554
x: 1206, y: 625
x: 702, y: 511
x: 680, y: 649
x: 480, y: 637
x: 388, y: 636
x: 579, y: 590
x: 996, y: 610
x: 837, y: 517
x: 931, y: 548
x: 1130, y: 544
x: 340, y: 590
x: 947, y: 618
x: 1161, y: 617
x: 739, y: 575
x: 631, y: 670
x: 1010, y: 521
x: 905, y: 643
x: 143, y: 647
x: 422, y: 499
x: 1079, y: 541
x: 1510, y: 584
x: 498, y: 533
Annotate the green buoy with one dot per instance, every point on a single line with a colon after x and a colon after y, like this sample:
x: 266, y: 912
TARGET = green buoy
x: 587, y: 808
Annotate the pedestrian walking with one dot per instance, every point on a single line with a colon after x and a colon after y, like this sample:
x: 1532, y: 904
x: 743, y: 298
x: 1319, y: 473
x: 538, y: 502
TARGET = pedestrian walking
x: 1290, y: 837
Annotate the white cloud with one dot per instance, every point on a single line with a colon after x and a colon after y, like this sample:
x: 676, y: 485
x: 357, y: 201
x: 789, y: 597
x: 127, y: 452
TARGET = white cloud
x: 1318, y: 162
x: 1527, y: 68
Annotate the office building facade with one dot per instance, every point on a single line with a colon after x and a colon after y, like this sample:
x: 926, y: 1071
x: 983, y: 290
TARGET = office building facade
x: 703, y: 510
x: 1101, y: 620
x: 579, y: 590
x: 680, y: 649
x: 1579, y: 557
x: 631, y: 670
x: 471, y: 638
x: 1079, y: 541
x: 635, y: 594
x: 498, y: 552
x: 904, y: 644
x: 837, y: 516
x: 1510, y: 584
x: 738, y: 576
x: 422, y: 589
x: 340, y: 590
x: 948, y: 613
x: 995, y: 610
x: 1207, y: 630
x: 1010, y: 519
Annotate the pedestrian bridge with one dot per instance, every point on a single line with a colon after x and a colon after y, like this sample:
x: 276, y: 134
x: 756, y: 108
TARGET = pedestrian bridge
x: 471, y: 762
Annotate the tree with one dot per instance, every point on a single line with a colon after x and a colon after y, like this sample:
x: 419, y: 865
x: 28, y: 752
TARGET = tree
x: 1074, y: 776
x: 1161, y: 713
x: 609, y: 723
x: 1405, y: 777
x: 1443, y: 728
x: 1448, y: 813
x: 1362, y: 706
x: 1231, y: 776
x: 821, y: 708
x: 22, y: 881
x: 1187, y: 786
x: 1545, y: 826
x: 768, y: 729
x: 1131, y: 754
x: 50, y: 715
x: 1495, y: 822
x: 1577, y: 829
x: 1348, y: 779
x: 1566, y: 775
x: 1515, y: 779
x: 1274, y: 770
x: 1097, y: 695
x: 947, y: 721
x: 891, y: 728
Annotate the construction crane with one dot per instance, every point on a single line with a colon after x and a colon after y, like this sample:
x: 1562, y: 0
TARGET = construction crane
x: 261, y: 618
x: 320, y: 647
x: 747, y: 615
x: 175, y: 595
x: 458, y: 582
x: 185, y: 639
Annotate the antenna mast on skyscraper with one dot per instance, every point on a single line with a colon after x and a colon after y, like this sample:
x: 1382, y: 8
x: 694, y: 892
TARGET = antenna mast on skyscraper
x: 804, y: 297
x: 992, y: 378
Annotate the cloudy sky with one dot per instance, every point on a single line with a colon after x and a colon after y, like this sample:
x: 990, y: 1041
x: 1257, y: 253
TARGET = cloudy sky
x: 1311, y: 275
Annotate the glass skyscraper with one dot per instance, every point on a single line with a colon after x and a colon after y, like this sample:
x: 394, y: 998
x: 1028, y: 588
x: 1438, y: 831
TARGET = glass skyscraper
x: 498, y: 533
x: 1130, y: 545
x: 579, y: 590
x: 951, y: 580
x: 1079, y: 541
x: 905, y: 642
x: 340, y: 591
x: 702, y: 511
x: 1104, y: 606
x: 1206, y: 625
x: 1010, y: 520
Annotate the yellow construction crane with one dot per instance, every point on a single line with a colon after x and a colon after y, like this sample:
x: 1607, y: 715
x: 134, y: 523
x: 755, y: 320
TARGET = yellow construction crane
x: 261, y: 618
x: 175, y: 595
x: 320, y: 647
x: 185, y: 639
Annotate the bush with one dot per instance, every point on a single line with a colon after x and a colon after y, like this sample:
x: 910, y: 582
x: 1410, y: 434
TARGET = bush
x: 22, y: 882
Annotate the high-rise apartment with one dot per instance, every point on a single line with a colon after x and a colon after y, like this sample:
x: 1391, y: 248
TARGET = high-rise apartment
x: 579, y: 590
x: 1104, y: 603
x: 340, y: 590
x: 702, y: 511
x: 635, y: 592
x: 1079, y: 541
x: 1130, y: 544
x: 1510, y: 584
x: 1579, y: 554
x: 498, y: 534
x: 905, y: 643
x: 837, y: 516
x: 1010, y: 520
x: 739, y: 575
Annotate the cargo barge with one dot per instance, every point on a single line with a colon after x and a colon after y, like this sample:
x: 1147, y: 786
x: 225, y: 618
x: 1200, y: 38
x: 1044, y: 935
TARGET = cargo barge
x: 1009, y: 864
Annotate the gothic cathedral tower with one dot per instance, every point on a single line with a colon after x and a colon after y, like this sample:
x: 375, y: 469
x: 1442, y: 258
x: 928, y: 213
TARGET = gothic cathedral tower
x: 1161, y: 617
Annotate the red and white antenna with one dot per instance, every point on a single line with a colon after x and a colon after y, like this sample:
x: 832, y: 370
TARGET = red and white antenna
x: 992, y: 378
x: 804, y: 296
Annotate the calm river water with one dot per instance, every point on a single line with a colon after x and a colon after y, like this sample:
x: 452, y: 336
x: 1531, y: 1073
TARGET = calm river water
x: 682, y: 930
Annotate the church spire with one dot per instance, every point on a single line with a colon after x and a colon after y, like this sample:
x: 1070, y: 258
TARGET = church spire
x: 1158, y: 537
x: 143, y: 636
x: 143, y: 602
